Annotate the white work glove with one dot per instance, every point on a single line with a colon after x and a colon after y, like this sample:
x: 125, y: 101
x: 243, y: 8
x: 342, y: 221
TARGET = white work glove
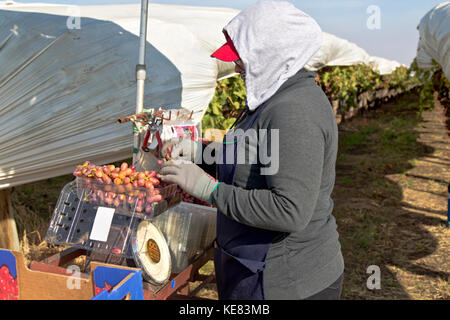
x: 189, y: 177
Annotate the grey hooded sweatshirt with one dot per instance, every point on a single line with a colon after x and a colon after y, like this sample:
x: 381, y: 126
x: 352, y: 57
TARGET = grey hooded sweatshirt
x: 295, y: 197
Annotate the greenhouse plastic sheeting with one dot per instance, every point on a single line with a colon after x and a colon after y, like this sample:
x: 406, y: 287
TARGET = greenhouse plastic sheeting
x: 434, y: 42
x: 340, y: 52
x: 62, y: 88
x: 68, y: 72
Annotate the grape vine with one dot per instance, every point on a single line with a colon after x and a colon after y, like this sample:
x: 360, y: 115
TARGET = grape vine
x: 226, y: 104
x: 433, y: 80
x: 343, y: 83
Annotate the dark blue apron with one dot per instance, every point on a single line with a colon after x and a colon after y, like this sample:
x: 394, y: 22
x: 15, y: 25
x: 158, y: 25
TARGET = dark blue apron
x: 240, y: 250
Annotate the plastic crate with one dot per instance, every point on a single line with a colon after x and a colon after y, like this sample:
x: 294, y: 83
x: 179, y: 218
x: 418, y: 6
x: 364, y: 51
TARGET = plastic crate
x: 83, y: 221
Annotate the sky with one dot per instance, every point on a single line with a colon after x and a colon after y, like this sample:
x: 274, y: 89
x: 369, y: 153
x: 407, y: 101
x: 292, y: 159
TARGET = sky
x: 384, y: 28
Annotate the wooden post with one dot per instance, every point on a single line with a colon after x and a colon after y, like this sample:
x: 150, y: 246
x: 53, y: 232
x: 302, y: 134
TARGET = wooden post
x: 9, y: 238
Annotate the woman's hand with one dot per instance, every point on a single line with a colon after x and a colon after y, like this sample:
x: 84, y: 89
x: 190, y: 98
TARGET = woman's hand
x: 189, y: 177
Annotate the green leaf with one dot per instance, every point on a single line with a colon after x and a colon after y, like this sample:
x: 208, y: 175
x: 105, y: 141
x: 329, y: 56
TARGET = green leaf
x: 216, y: 109
x: 228, y: 123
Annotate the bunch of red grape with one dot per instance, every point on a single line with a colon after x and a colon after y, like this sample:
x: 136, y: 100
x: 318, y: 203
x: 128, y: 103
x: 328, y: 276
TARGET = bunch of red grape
x: 9, y: 288
x: 121, y: 186
x: 186, y: 197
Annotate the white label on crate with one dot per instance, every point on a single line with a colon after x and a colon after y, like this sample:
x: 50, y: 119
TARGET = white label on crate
x: 102, y: 224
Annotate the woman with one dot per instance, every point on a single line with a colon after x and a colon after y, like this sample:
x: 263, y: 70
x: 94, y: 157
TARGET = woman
x: 276, y: 236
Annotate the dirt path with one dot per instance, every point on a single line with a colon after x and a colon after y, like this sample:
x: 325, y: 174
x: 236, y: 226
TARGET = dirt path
x: 391, y: 202
x: 425, y: 198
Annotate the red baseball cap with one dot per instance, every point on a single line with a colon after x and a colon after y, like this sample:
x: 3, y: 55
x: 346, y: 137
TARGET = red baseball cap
x: 227, y: 52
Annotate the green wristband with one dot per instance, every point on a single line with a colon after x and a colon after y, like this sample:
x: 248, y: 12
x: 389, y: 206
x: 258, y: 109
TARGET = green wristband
x: 210, y: 197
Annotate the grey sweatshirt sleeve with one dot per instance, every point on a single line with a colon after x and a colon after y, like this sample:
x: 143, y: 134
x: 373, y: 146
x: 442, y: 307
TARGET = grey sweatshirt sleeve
x: 289, y: 202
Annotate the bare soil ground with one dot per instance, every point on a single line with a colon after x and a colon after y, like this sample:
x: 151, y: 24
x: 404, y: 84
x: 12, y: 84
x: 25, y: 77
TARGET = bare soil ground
x: 393, y: 170
x: 392, y: 174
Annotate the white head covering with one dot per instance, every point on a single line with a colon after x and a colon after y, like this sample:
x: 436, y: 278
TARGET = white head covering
x: 274, y: 40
